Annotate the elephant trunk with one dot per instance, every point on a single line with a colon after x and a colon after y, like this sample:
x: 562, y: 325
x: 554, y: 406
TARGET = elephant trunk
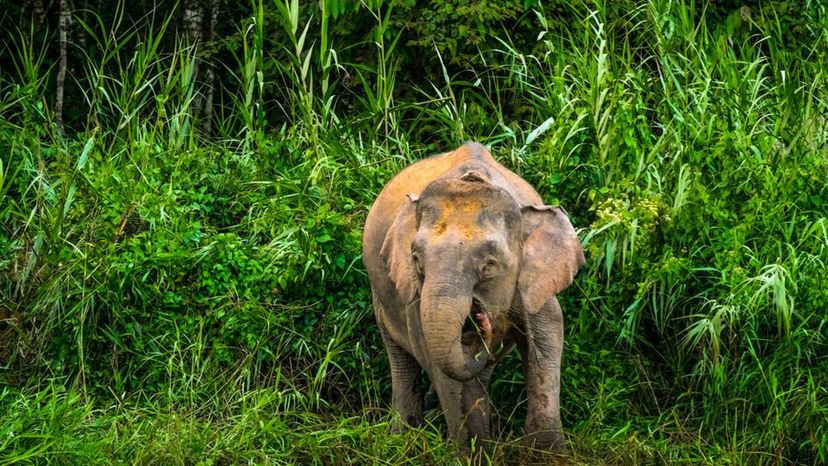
x: 444, y: 309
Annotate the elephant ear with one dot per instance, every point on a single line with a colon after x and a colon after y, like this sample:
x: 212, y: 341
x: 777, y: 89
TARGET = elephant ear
x: 396, y: 251
x: 552, y: 255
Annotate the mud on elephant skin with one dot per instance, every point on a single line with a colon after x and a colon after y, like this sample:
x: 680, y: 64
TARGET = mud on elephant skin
x: 465, y: 262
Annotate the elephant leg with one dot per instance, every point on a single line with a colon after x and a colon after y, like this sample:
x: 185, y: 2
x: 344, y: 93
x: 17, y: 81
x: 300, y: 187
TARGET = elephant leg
x: 430, y: 400
x: 467, y: 409
x: 406, y: 396
x: 541, y: 352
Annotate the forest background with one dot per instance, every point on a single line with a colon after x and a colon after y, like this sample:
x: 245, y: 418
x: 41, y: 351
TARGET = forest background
x: 183, y: 187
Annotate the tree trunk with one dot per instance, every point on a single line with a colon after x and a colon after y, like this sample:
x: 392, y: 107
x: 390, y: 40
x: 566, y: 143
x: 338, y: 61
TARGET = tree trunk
x: 63, y: 28
x: 192, y: 20
x: 39, y: 11
x: 207, y: 109
x: 193, y: 16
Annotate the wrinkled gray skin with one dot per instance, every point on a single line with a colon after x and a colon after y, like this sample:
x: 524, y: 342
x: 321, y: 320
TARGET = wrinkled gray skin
x: 465, y: 262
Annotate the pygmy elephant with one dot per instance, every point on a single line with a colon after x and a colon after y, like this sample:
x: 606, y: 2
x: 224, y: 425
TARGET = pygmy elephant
x: 465, y: 261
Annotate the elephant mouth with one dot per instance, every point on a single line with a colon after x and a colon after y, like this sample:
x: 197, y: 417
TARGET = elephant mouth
x: 478, y: 326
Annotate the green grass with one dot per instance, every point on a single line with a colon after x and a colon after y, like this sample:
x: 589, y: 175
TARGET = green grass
x: 170, y: 296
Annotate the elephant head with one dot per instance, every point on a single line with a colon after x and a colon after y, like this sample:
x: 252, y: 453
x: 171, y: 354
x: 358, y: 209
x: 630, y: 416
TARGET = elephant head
x: 461, y: 250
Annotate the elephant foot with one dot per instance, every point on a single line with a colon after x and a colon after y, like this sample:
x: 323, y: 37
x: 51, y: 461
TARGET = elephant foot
x: 545, y: 447
x: 548, y: 440
x: 405, y: 422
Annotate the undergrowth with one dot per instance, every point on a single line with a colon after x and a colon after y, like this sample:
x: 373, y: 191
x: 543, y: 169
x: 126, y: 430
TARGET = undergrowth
x: 171, y: 295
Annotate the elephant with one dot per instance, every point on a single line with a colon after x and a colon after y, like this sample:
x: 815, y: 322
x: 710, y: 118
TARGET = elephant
x: 465, y: 262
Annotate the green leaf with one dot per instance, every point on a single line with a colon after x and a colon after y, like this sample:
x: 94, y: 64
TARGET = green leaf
x: 542, y: 128
x: 84, y: 157
x: 70, y: 197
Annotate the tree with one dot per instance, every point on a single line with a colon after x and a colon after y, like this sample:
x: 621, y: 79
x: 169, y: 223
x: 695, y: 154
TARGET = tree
x: 63, y: 28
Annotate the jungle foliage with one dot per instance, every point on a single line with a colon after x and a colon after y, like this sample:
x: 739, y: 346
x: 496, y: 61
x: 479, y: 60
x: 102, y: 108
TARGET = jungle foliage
x: 180, y: 276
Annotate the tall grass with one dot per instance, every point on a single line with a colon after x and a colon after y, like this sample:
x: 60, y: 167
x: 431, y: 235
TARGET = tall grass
x: 169, y: 296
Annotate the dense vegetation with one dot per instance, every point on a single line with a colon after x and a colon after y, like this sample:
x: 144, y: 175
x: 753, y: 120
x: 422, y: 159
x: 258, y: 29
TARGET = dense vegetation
x: 184, y: 286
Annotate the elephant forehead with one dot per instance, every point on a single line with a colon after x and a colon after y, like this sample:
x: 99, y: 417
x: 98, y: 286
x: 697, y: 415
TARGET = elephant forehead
x: 459, y: 214
x: 455, y: 208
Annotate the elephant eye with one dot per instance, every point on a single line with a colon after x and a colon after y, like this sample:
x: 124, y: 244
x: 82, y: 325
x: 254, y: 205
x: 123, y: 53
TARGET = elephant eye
x: 415, y: 256
x: 490, y: 269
